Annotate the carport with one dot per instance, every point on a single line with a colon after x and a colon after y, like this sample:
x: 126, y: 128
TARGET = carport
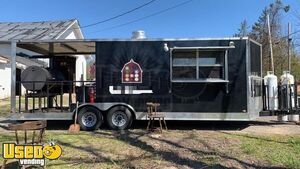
x: 45, y: 49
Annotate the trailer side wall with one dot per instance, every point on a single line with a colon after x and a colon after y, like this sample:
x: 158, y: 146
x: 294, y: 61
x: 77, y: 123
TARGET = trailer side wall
x: 156, y: 66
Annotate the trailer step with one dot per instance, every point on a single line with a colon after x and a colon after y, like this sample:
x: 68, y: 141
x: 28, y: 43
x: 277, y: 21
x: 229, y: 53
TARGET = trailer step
x: 41, y: 116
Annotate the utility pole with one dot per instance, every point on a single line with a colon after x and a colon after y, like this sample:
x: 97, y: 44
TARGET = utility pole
x: 270, y: 43
x: 289, y: 45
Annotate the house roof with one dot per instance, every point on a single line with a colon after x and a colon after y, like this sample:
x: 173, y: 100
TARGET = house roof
x: 34, y: 30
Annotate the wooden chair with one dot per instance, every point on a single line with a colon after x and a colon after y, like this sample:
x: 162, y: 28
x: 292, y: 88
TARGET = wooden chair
x: 37, y: 128
x: 153, y: 115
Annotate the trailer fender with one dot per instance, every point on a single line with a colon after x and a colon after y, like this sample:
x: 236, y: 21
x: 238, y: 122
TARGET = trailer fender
x: 130, y: 108
x: 104, y: 107
x: 84, y: 105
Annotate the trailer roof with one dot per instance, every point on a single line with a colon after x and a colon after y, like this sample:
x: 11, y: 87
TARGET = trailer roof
x: 86, y: 46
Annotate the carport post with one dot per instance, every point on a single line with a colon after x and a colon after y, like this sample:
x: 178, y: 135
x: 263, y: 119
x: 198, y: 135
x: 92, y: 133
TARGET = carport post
x: 13, y: 76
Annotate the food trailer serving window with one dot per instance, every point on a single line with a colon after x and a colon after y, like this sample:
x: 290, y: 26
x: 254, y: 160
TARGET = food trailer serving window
x: 199, y: 65
x: 211, y: 64
x: 184, y: 64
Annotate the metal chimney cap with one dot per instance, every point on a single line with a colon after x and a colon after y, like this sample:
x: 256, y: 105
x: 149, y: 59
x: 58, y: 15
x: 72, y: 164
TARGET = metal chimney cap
x: 140, y: 34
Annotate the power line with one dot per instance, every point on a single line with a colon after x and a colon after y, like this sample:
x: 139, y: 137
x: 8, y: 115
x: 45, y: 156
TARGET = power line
x: 145, y: 17
x: 284, y: 37
x: 119, y: 15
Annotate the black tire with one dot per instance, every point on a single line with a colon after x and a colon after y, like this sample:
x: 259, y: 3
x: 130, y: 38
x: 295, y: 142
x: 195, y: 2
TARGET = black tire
x: 119, y: 118
x: 89, y: 118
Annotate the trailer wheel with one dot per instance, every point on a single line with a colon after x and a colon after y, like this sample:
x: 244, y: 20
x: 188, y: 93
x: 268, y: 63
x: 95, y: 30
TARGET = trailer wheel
x: 90, y: 118
x: 119, y: 118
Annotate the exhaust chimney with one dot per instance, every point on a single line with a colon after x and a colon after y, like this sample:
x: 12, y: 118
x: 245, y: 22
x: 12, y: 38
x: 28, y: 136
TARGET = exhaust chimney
x: 140, y: 34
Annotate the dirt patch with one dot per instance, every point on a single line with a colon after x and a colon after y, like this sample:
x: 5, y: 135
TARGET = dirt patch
x: 270, y: 126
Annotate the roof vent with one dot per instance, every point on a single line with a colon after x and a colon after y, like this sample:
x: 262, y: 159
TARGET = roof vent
x: 140, y: 34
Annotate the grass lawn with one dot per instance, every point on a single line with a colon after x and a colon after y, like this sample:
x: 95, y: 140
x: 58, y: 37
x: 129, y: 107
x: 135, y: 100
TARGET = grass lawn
x: 4, y: 107
x: 172, y: 149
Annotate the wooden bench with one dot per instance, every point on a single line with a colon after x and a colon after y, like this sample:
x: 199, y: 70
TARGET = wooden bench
x: 153, y: 115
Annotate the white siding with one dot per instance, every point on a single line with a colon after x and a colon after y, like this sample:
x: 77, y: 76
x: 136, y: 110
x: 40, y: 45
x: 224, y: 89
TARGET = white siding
x: 71, y: 36
x: 80, y: 67
x: 5, y: 72
x: 5, y: 80
x: 80, y: 61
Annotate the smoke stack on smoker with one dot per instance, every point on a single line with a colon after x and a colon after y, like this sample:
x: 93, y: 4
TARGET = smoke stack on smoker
x: 140, y: 34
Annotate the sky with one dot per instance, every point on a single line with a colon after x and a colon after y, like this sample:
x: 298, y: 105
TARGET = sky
x: 197, y: 18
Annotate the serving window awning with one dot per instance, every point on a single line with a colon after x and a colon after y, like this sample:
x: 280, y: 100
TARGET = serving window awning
x: 59, y: 47
x: 204, y: 48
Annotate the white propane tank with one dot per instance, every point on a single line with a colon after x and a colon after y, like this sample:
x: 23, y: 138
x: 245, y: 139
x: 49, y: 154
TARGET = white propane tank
x: 288, y: 81
x: 271, y: 85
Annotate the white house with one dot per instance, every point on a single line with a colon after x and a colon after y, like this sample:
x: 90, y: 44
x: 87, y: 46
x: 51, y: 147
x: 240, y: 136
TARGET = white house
x: 48, y: 30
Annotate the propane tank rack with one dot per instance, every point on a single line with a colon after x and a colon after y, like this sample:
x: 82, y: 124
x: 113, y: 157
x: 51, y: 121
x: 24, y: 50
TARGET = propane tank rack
x: 287, y: 101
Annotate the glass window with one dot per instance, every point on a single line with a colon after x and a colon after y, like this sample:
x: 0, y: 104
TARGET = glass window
x: 210, y: 58
x: 207, y: 61
x: 184, y: 72
x: 184, y: 58
x: 256, y: 88
x: 211, y: 72
x: 211, y: 64
x: 197, y: 64
x: 184, y: 64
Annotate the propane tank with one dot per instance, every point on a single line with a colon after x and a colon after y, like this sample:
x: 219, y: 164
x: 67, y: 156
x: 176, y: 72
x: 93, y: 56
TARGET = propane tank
x: 270, y: 82
x: 288, y: 93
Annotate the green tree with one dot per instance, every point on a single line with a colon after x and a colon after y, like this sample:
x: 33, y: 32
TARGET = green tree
x: 243, y: 30
x: 295, y: 66
x: 259, y: 33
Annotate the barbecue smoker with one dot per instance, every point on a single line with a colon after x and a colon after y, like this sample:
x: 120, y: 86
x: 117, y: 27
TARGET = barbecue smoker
x: 45, y: 85
x: 192, y: 79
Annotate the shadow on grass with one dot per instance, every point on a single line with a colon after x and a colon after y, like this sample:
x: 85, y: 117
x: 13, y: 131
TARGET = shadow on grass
x: 173, y: 157
x: 198, y: 125
x: 134, y: 139
x: 212, y: 151
x: 97, y: 157
x: 128, y: 138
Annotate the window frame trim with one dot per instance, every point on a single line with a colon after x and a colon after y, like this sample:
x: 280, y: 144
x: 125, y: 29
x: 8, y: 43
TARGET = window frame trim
x: 202, y: 80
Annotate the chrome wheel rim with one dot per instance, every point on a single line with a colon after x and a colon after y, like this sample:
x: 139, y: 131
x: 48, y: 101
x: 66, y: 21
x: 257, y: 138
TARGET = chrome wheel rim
x: 119, y: 119
x: 89, y: 119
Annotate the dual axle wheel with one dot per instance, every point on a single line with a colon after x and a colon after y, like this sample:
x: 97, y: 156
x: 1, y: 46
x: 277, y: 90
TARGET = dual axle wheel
x: 117, y: 118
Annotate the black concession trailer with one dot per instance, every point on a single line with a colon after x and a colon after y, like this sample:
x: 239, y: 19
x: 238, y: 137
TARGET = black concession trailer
x: 192, y: 79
